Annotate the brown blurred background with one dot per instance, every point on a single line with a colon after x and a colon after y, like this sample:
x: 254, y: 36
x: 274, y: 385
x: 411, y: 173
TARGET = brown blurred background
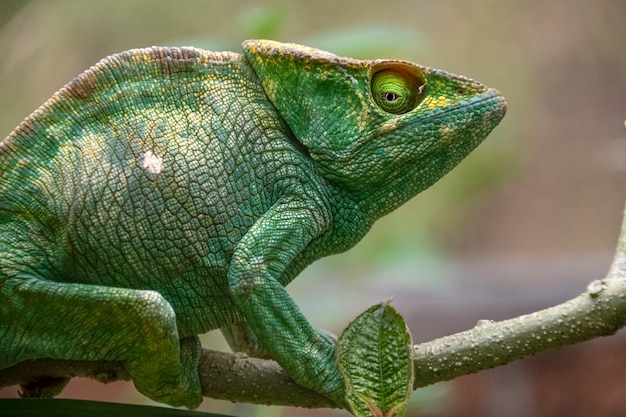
x: 524, y: 223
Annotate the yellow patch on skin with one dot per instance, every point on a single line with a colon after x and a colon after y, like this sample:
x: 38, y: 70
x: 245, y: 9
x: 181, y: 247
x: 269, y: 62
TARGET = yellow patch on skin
x: 211, y: 77
x: 389, y: 126
x: 438, y: 102
x: 362, y: 121
x: 253, y: 48
x: 270, y: 89
x: 447, y: 133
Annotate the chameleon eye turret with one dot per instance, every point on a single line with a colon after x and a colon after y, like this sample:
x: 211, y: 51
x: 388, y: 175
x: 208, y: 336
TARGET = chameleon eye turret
x: 397, y: 88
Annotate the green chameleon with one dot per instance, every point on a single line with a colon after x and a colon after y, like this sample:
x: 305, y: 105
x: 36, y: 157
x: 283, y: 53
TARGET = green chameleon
x: 166, y: 192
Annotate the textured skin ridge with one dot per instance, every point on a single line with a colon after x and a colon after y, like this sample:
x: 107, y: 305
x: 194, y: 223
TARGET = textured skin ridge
x: 166, y: 192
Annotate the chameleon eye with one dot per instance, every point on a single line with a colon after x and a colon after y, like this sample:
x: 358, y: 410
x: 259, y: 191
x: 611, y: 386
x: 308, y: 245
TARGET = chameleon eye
x: 397, y: 89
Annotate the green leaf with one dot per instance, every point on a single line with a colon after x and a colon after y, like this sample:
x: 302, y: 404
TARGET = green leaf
x: 374, y: 357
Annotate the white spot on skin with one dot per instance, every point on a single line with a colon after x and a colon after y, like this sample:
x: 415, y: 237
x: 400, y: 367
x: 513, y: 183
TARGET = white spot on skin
x: 151, y: 163
x: 350, y: 77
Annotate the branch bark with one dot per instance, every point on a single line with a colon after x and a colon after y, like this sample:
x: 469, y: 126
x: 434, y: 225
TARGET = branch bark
x: 599, y: 311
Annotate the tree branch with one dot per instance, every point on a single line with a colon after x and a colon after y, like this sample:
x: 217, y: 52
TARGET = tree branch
x: 600, y: 311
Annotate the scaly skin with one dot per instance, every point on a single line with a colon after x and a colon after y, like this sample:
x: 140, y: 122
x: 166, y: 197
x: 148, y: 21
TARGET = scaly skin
x: 166, y: 192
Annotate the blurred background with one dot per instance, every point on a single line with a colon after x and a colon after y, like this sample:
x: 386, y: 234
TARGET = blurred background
x: 524, y: 223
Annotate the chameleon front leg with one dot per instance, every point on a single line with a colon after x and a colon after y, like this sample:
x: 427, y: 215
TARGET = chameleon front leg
x: 259, y: 260
x: 89, y: 322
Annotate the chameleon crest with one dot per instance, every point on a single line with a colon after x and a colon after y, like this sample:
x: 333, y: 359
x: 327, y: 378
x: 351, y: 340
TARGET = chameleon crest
x: 166, y: 192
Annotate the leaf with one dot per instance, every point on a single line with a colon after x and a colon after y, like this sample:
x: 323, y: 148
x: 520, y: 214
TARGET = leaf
x: 374, y: 357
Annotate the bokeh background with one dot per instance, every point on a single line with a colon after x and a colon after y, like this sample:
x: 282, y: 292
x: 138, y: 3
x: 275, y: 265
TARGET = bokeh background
x: 524, y: 223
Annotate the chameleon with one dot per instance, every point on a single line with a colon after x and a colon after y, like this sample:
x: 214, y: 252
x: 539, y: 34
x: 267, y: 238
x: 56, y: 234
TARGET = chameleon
x: 168, y: 191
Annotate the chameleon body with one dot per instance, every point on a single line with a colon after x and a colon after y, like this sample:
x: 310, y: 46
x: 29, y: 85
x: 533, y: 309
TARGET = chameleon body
x: 166, y: 192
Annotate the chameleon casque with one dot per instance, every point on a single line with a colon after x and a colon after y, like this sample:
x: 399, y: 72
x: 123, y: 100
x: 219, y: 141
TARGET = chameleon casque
x: 166, y: 192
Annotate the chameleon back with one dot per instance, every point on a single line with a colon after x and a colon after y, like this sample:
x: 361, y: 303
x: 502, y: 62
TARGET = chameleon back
x: 144, y: 172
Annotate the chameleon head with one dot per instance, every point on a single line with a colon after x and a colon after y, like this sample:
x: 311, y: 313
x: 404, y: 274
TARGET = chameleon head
x: 383, y: 130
